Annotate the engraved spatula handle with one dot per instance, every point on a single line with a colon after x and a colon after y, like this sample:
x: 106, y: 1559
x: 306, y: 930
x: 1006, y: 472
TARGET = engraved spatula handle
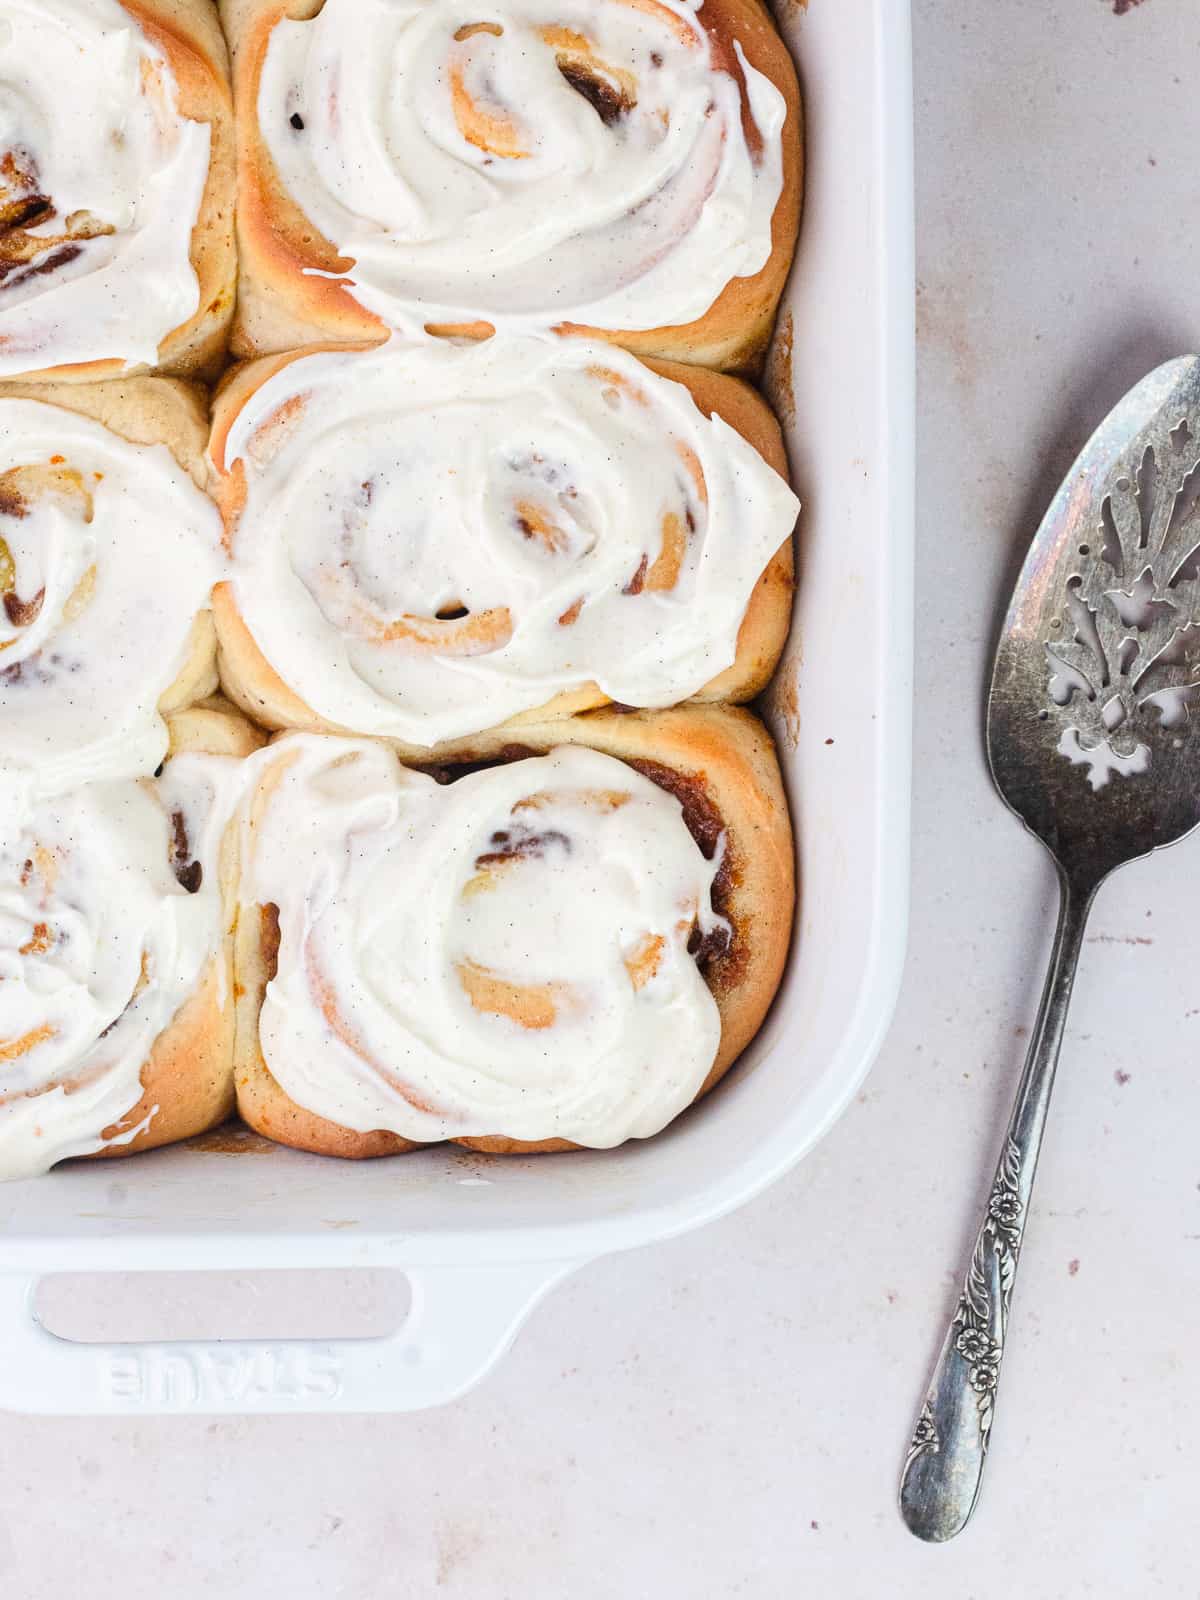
x: 944, y: 1466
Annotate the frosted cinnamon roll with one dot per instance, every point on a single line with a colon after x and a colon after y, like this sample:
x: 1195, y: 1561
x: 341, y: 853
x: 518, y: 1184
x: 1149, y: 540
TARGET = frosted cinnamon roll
x: 116, y: 187
x: 108, y: 554
x: 630, y: 168
x: 548, y: 950
x: 430, y: 540
x: 116, y: 1004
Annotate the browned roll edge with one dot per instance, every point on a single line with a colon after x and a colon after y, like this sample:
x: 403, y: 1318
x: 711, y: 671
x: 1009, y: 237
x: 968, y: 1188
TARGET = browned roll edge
x: 146, y: 410
x: 189, y: 36
x: 254, y: 685
x: 722, y: 764
x: 283, y: 304
x: 187, y: 1077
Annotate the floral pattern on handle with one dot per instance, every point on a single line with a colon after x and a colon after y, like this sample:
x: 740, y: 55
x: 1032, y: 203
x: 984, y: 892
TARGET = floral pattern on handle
x: 925, y: 1437
x: 980, y: 1319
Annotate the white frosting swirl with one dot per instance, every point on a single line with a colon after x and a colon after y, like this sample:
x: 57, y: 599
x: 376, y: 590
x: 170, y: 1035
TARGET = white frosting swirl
x: 526, y: 161
x: 592, y: 523
x: 100, y: 945
x: 107, y: 553
x: 508, y: 955
x: 104, y: 179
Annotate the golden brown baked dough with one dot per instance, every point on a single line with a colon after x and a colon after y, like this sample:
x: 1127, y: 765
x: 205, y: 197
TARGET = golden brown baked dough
x: 287, y: 298
x: 189, y: 35
x: 150, y: 411
x: 720, y: 762
x: 261, y: 1103
x: 187, y: 1079
x: 735, y: 331
x: 252, y: 683
x: 140, y: 409
x: 764, y: 629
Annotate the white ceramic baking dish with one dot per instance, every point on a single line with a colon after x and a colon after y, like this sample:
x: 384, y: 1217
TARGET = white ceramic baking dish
x: 480, y: 1254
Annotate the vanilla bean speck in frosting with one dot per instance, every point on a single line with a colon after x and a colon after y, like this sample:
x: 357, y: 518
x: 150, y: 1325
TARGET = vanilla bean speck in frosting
x: 432, y: 537
x: 528, y: 162
x: 101, y: 182
x: 507, y: 955
x: 108, y: 553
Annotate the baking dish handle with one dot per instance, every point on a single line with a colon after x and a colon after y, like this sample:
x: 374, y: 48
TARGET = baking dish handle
x: 461, y: 1321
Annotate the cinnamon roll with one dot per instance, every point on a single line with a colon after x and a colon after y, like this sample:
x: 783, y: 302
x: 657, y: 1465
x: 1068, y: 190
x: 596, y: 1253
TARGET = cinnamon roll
x: 116, y: 1002
x: 560, y: 944
x: 108, y: 553
x: 628, y: 168
x: 116, y: 187
x: 429, y: 540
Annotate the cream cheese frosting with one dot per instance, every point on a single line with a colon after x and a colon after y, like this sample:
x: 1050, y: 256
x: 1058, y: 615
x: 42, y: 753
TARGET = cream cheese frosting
x: 100, y: 945
x: 505, y: 955
x: 104, y: 179
x: 437, y: 536
x: 526, y: 161
x: 108, y: 553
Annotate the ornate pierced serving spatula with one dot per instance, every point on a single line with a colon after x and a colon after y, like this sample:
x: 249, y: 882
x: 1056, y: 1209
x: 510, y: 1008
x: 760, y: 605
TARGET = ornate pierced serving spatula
x: 1093, y: 745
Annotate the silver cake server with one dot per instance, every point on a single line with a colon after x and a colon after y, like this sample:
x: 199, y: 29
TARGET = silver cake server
x: 1092, y: 745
